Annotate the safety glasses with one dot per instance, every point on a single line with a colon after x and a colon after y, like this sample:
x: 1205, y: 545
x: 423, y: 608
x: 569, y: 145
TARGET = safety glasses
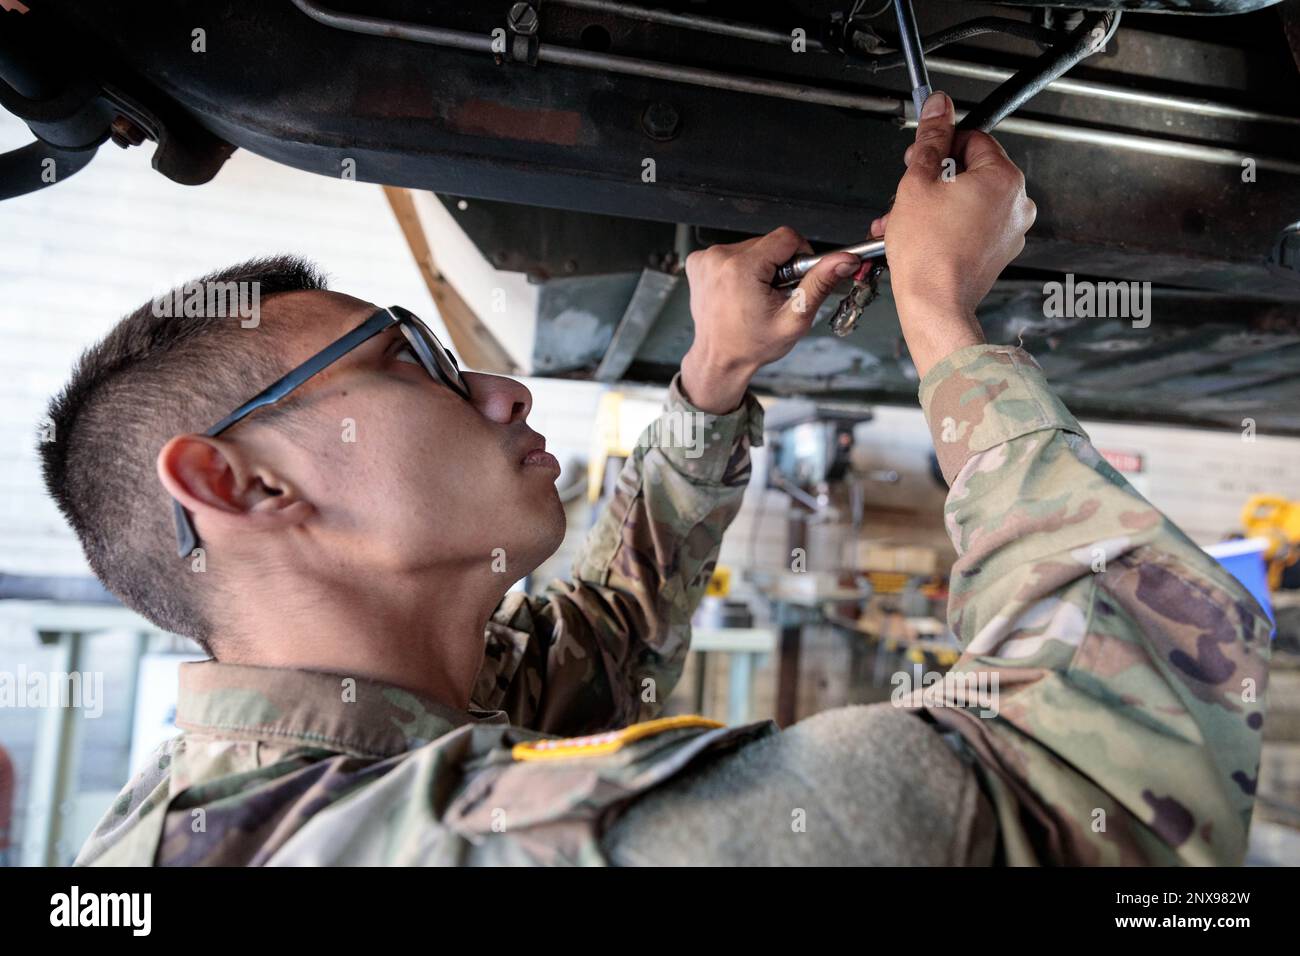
x: 437, y: 361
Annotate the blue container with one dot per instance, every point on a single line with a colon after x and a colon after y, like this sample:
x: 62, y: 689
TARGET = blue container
x: 1244, y: 560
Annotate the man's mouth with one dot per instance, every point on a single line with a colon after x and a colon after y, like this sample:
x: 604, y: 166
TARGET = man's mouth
x: 539, y: 457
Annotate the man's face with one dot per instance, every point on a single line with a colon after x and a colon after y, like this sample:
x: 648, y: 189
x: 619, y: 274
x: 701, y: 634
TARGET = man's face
x: 403, y: 474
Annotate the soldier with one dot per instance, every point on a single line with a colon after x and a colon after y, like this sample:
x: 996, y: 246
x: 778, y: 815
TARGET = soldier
x: 373, y: 698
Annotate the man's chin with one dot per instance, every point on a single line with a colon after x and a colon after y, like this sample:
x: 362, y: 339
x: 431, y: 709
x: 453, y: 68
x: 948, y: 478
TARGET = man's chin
x: 559, y: 522
x: 542, y: 531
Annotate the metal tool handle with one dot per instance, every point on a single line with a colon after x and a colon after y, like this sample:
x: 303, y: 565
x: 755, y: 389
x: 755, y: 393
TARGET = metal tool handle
x: 909, y: 39
x: 798, y: 267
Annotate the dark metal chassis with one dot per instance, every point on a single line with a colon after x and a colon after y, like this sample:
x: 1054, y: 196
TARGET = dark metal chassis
x: 551, y: 159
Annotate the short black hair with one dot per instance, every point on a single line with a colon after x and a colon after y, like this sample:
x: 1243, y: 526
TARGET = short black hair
x: 162, y: 371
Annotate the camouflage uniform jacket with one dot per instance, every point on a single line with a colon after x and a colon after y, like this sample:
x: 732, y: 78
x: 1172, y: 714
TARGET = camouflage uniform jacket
x: 1130, y: 670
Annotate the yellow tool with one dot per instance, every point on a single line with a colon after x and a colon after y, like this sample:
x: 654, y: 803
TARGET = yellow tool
x: 1277, y: 519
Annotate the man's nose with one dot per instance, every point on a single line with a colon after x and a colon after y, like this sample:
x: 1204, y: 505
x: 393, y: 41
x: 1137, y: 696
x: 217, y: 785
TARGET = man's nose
x: 499, y: 398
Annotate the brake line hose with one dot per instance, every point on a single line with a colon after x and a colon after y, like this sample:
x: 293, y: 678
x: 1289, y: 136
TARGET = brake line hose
x: 958, y: 32
x: 1089, y: 37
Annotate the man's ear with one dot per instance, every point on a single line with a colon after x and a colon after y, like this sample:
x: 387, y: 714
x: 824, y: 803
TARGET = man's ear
x: 219, y: 485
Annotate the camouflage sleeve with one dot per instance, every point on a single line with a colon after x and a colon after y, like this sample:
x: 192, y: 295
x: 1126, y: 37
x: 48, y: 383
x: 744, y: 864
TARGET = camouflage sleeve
x: 606, y: 648
x: 1127, y: 667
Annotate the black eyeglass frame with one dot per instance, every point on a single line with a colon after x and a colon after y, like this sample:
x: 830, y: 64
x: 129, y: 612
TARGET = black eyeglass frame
x: 418, y: 335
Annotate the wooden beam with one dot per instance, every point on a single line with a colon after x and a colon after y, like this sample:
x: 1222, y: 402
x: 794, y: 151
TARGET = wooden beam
x: 473, y: 341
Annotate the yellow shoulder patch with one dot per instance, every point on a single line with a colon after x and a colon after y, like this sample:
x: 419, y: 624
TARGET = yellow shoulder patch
x: 606, y: 743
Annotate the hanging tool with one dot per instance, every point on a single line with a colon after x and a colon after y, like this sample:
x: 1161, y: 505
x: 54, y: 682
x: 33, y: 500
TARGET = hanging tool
x: 865, y: 288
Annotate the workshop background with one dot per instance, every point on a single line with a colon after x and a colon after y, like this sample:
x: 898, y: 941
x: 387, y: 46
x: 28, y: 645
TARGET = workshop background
x: 826, y: 589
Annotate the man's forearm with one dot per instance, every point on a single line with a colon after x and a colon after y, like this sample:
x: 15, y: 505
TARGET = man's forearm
x: 934, y: 332
x: 714, y: 383
x: 647, y: 561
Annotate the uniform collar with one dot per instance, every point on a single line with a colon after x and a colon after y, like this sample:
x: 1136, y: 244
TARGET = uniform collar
x: 334, y: 711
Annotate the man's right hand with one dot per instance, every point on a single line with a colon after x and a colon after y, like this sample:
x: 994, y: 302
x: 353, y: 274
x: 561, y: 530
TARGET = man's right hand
x: 953, y: 228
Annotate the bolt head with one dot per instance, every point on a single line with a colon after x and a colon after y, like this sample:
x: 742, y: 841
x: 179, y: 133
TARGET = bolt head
x: 124, y: 132
x: 523, y: 19
x: 661, y: 121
